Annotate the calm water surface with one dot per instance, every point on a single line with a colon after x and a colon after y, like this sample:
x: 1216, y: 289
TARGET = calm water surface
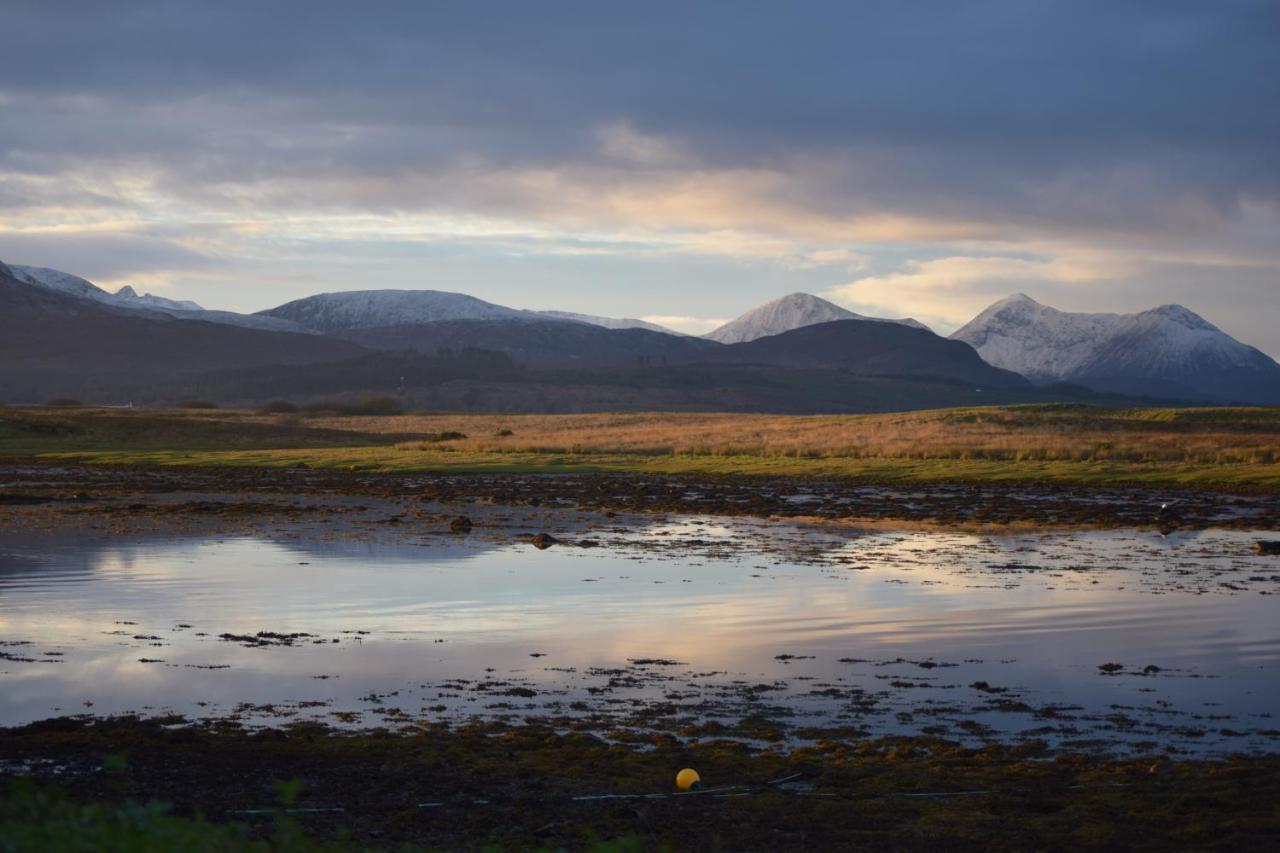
x: 968, y: 636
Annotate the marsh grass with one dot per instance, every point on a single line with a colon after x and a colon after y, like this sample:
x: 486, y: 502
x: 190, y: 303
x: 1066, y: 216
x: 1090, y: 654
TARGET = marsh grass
x: 1002, y: 434
x: 1229, y: 447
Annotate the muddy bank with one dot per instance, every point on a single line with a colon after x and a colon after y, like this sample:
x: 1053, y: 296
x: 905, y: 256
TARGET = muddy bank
x: 121, y: 492
x: 530, y: 786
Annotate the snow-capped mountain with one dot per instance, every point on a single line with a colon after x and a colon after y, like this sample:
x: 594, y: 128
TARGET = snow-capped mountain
x: 62, y: 282
x: 790, y: 312
x: 128, y: 299
x: 348, y: 311
x: 56, y: 343
x: 366, y: 309
x: 147, y: 300
x: 1042, y: 343
x: 606, y: 322
x: 1166, y: 351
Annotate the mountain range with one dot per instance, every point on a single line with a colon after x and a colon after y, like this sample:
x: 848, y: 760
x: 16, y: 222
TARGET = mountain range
x: 61, y: 335
x: 1167, y: 351
x: 127, y: 298
x: 55, y: 342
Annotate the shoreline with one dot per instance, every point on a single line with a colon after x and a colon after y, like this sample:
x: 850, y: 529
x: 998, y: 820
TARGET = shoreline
x: 61, y: 490
x: 566, y: 782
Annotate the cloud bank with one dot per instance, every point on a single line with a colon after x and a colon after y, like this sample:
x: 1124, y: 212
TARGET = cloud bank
x: 645, y: 159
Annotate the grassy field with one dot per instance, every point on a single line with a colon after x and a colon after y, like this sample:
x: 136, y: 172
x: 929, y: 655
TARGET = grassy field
x: 1232, y: 448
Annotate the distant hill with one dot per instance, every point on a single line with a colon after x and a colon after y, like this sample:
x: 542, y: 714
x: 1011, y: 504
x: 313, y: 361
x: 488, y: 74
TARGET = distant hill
x: 793, y: 311
x: 54, y: 344
x: 873, y: 348
x: 482, y: 382
x: 845, y: 366
x: 1167, y: 351
x: 340, y: 313
x: 606, y: 322
x: 428, y: 321
x: 865, y: 347
x: 60, y: 335
x: 540, y: 343
x: 128, y: 299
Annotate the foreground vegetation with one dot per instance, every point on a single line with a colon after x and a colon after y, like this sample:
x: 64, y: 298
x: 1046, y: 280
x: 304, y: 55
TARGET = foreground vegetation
x: 428, y: 786
x: 1237, y: 448
x: 40, y: 819
x: 34, y: 818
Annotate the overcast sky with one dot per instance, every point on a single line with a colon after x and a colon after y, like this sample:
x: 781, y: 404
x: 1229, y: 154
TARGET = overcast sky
x: 683, y: 161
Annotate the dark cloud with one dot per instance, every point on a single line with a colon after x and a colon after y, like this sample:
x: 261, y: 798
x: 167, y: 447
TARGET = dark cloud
x: 1129, y: 126
x: 968, y: 100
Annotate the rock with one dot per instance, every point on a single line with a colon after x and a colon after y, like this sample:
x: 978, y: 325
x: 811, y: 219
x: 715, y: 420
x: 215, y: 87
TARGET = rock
x: 543, y: 541
x: 1267, y: 546
x: 461, y: 524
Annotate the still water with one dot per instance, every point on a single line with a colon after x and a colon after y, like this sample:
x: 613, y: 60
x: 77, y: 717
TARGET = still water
x: 1111, y: 640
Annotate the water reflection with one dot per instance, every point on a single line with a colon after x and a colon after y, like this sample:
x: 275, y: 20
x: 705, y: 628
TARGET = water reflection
x: 882, y: 631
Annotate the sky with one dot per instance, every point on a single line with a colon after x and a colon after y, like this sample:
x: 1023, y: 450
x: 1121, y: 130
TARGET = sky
x: 681, y: 162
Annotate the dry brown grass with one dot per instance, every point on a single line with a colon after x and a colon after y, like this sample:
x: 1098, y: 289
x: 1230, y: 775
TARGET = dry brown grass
x: 1030, y: 433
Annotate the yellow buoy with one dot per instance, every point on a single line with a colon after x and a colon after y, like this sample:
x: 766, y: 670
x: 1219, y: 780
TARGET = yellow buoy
x: 688, y: 779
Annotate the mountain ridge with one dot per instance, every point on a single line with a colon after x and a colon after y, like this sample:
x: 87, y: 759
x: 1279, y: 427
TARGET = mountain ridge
x: 1170, y: 346
x: 609, y: 322
x: 1167, y: 351
x: 128, y: 299
x: 54, y: 343
x: 793, y: 311
x: 873, y: 348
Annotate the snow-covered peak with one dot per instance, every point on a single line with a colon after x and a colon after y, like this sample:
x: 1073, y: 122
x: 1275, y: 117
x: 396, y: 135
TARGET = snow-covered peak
x: 74, y: 285
x: 363, y: 309
x: 1018, y: 303
x: 127, y: 299
x: 1169, y: 343
x: 605, y: 322
x: 1183, y: 317
x: 1017, y: 299
x: 792, y: 311
x: 1040, y: 342
x: 62, y: 282
x: 1169, y: 339
x: 128, y: 296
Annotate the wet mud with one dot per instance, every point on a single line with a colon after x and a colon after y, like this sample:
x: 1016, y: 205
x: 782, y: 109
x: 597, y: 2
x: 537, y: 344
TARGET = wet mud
x: 119, y: 492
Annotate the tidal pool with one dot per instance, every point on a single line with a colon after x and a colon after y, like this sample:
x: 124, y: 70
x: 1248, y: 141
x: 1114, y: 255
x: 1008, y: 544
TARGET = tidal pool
x: 1116, y: 640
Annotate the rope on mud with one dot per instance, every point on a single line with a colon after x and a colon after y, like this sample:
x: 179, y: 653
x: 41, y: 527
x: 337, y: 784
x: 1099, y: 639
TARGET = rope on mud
x: 728, y: 790
x: 722, y: 792
x: 289, y: 811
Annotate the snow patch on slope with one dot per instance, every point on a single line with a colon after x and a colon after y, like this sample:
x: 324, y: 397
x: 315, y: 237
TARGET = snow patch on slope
x: 793, y: 311
x: 364, y: 309
x: 606, y: 322
x: 127, y: 299
x: 62, y: 282
x: 129, y: 295
x: 1042, y: 343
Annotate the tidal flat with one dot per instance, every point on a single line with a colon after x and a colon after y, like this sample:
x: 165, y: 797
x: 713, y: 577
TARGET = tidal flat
x: 1014, y: 648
